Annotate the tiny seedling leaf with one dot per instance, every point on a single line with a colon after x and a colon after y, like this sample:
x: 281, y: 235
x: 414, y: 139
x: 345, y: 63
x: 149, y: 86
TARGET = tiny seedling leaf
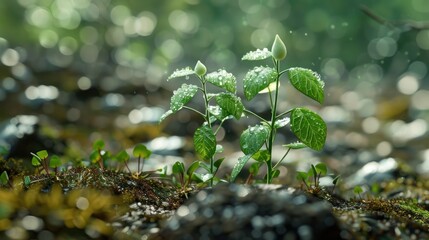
x: 27, y: 181
x: 122, y: 156
x: 182, y: 96
x: 43, y: 154
x: 258, y: 79
x: 239, y: 166
x: 223, y: 79
x: 321, y: 169
x: 98, y: 145
x: 205, y: 142
x: 35, y: 160
x: 276, y: 173
x: 295, y: 145
x: 307, y: 82
x: 301, y: 176
x: 55, y: 161
x: 357, y: 190
x: 4, y: 178
x: 258, y: 54
x: 254, y: 168
x: 253, y: 138
x: 178, y: 168
x: 335, y: 180
x: 194, y: 166
x: 309, y: 128
x: 202, y: 177
x: 230, y: 104
x: 95, y: 156
x: 181, y: 73
x: 141, y: 150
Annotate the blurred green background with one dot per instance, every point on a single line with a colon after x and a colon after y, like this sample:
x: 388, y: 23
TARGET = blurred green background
x: 104, y: 64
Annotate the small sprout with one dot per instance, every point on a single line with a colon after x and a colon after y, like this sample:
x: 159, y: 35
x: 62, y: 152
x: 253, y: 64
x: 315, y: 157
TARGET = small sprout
x: 335, y: 181
x: 140, y: 151
x: 358, y: 190
x: 41, y: 159
x: 303, y: 176
x: 55, y: 163
x: 98, y: 154
x: 27, y: 181
x: 123, y: 157
x: 200, y: 69
x: 278, y: 49
x: 4, y: 179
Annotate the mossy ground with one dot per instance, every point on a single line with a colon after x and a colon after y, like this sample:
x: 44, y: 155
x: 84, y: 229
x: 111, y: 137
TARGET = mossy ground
x: 84, y: 201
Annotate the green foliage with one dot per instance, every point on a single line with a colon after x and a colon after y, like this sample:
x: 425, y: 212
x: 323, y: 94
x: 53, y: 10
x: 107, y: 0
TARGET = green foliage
x: 140, y: 151
x: 315, y: 173
x: 41, y: 159
x: 358, y: 190
x: 256, y: 141
x: 4, y: 178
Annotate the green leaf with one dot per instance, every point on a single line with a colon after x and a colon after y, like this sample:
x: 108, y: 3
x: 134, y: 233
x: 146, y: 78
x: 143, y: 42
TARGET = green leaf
x: 98, y: 145
x: 165, y: 115
x: 335, y: 180
x: 43, y: 154
x: 35, y: 160
x: 141, y: 150
x: 321, y: 169
x: 281, y: 122
x: 3, y: 151
x: 178, y: 168
x: 261, y: 156
x: 254, y: 168
x: 276, y: 173
x: 217, y: 163
x: 258, y: 79
x: 258, y: 54
x: 95, y: 156
x: 357, y: 190
x: 223, y: 79
x: 205, y: 142
x: 307, y: 82
x: 309, y: 128
x: 202, y: 177
x: 301, y: 176
x: 55, y: 161
x: 231, y: 104
x: 219, y: 148
x: 4, y: 178
x: 182, y: 96
x: 27, y: 181
x: 239, y: 166
x: 252, y: 139
x: 219, y: 113
x: 295, y: 145
x: 194, y: 166
x: 122, y: 156
x: 181, y: 73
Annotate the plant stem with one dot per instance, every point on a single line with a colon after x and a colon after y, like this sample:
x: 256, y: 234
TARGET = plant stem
x: 256, y: 115
x: 207, y: 118
x: 194, y: 110
x: 272, y: 126
x: 288, y: 150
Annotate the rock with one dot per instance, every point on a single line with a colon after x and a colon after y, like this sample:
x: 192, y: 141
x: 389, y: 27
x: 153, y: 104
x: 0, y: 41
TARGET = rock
x: 243, y: 212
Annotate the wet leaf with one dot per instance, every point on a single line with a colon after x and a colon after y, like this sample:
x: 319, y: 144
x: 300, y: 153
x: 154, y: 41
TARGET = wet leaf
x: 181, y: 73
x: 230, y: 104
x: 205, y: 142
x: 253, y: 138
x: 307, y: 82
x: 258, y: 54
x: 282, y: 122
x: 309, y: 128
x: 258, y: 79
x: 223, y: 79
x: 295, y: 145
x: 178, y: 168
x: 194, y: 166
x: 239, y: 166
x: 182, y: 96
x: 165, y: 115
x: 219, y: 113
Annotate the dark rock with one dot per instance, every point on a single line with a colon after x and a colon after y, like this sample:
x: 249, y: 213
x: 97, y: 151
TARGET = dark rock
x: 243, y: 212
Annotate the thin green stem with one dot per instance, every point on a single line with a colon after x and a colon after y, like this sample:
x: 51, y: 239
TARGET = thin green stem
x: 256, y: 115
x: 272, y: 125
x: 286, y: 153
x: 207, y: 118
x: 195, y: 110
x: 282, y: 72
x: 284, y: 113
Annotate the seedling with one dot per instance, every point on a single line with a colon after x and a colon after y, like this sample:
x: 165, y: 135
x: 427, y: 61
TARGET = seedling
x: 141, y: 152
x: 4, y: 179
x: 183, y: 178
x: 98, y: 154
x: 227, y: 106
x: 41, y: 159
x: 257, y: 141
x: 315, y: 173
x: 358, y: 190
x: 123, y: 157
